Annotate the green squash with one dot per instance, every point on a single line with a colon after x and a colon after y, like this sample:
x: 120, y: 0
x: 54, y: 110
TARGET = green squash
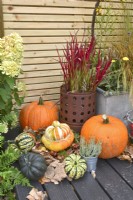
x: 32, y: 165
x: 25, y: 141
x: 75, y: 166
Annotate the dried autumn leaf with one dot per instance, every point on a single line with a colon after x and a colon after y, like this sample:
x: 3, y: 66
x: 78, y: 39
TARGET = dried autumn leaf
x: 29, y: 197
x: 55, y: 172
x: 129, y: 149
x: 127, y: 154
x: 125, y: 157
x: 54, y: 164
x: 49, y: 172
x: 34, y: 194
x: 44, y: 180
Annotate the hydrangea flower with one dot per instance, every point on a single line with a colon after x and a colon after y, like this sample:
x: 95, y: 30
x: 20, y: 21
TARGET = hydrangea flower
x: 14, y: 120
x: 11, y: 50
x: 10, y: 68
x: 20, y: 86
x: 3, y: 127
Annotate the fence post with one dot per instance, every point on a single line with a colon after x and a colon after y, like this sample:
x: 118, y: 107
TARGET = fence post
x: 94, y: 18
x: 1, y: 20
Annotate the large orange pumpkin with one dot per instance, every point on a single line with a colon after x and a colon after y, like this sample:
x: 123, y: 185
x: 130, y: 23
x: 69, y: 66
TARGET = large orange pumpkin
x: 111, y: 131
x: 38, y: 115
x: 58, y: 136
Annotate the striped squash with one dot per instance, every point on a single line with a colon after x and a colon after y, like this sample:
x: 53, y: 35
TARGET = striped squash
x: 14, y: 147
x: 75, y: 166
x: 25, y: 141
x: 57, y: 131
x: 57, y: 137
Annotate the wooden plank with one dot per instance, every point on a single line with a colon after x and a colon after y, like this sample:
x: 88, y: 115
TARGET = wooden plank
x: 62, y: 191
x: 47, y: 18
x: 43, y: 92
x: 28, y: 47
x: 55, y: 3
x: 41, y: 73
x: 44, y: 32
x: 117, y: 5
x: 37, y: 53
x: 112, y: 183
x: 48, y: 40
x: 55, y: 40
x: 22, y: 192
x: 117, y: 1
x: 55, y: 32
x: 47, y: 10
x: 51, y: 60
x: 87, y: 188
x: 41, y: 79
x: 55, y: 97
x: 37, y: 67
x: 43, y: 85
x: 42, y: 25
x: 124, y: 169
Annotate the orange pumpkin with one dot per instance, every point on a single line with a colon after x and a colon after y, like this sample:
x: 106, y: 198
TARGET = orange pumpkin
x: 111, y: 131
x: 38, y: 115
x: 58, y: 136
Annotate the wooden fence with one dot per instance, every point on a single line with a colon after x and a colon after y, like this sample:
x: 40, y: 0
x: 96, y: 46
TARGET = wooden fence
x: 44, y: 26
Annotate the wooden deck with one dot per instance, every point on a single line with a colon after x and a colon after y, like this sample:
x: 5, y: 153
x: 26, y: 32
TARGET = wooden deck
x: 114, y: 181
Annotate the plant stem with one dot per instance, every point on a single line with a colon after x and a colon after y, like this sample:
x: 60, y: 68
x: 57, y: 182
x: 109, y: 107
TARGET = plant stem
x: 40, y: 101
x: 105, y: 119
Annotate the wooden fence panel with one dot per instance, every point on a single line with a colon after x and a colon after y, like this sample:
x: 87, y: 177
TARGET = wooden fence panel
x: 44, y: 26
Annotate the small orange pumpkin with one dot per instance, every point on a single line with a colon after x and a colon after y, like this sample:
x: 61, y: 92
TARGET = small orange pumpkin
x: 38, y: 115
x: 111, y: 131
x: 58, y: 136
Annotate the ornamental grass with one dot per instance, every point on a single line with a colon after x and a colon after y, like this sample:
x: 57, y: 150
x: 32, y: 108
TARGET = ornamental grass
x: 82, y: 65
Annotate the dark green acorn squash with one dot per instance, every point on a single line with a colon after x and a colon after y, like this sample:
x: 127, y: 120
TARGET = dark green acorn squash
x: 32, y: 165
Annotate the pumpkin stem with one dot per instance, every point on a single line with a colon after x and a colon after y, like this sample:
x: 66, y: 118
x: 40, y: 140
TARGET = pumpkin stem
x: 105, y: 119
x: 40, y: 102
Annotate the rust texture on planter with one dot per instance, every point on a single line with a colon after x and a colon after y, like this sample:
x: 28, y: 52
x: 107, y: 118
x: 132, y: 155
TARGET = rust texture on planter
x: 76, y: 108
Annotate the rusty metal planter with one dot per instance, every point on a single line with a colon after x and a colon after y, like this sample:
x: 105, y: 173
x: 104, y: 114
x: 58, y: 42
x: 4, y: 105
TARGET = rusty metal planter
x: 76, y: 108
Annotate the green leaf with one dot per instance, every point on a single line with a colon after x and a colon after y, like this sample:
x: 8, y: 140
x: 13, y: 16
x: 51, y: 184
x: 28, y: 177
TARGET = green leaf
x: 2, y: 104
x: 19, y: 100
x: 4, y: 94
x: 10, y: 81
x: 7, y: 88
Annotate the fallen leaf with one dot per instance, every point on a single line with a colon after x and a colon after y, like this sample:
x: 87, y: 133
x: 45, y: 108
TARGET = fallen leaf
x: 34, y: 194
x: 30, y: 197
x: 54, y: 164
x: 49, y: 172
x: 55, y: 172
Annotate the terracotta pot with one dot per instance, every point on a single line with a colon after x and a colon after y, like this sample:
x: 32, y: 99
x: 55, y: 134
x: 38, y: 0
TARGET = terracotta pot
x: 76, y: 108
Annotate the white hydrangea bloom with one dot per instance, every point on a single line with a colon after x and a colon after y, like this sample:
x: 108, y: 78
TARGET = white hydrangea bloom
x: 20, y: 86
x: 14, y: 120
x: 3, y: 127
x: 10, y: 68
x: 11, y: 49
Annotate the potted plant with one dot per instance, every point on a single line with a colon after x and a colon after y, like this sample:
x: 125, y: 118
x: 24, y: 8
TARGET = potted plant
x: 90, y: 152
x: 83, y: 69
x: 114, y: 94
